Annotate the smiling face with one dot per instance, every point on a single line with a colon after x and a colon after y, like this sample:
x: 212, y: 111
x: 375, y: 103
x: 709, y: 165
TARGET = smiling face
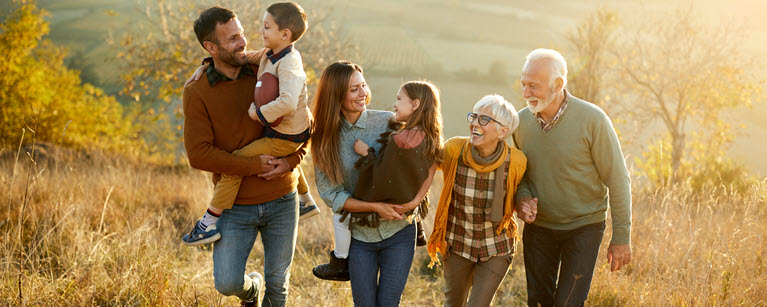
x: 273, y: 37
x: 486, y: 136
x: 356, y: 100
x: 231, y: 44
x: 404, y: 106
x: 537, y: 87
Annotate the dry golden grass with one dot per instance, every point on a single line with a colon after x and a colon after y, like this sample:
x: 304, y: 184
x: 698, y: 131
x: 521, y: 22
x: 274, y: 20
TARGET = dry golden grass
x: 693, y: 249
x: 104, y: 231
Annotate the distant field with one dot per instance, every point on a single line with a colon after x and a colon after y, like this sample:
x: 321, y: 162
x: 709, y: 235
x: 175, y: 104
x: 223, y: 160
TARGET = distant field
x: 750, y: 146
x: 83, y: 27
x: 424, y: 39
x: 456, y: 55
x: 458, y: 98
x: 391, y: 48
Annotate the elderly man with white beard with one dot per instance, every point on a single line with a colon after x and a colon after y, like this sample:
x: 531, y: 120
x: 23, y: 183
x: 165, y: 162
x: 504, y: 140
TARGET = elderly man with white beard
x: 575, y: 170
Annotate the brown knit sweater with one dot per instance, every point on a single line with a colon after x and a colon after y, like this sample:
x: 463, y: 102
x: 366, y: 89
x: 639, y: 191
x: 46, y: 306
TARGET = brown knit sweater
x: 216, y: 122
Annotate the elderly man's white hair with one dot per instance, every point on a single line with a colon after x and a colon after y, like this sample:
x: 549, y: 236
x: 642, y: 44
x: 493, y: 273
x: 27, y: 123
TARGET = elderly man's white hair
x: 557, y: 62
x: 500, y: 110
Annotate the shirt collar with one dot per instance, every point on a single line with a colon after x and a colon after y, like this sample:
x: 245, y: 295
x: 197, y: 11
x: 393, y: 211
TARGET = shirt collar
x: 276, y: 57
x: 361, y: 122
x: 547, y: 126
x: 215, y: 77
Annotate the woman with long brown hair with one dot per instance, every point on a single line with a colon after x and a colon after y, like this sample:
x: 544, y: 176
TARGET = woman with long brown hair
x: 387, y: 246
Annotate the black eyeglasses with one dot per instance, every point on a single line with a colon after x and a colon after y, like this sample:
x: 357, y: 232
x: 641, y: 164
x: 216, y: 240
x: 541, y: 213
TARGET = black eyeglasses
x: 483, y: 119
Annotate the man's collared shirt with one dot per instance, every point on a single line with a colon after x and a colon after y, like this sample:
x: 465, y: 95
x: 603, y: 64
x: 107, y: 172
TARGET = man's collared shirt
x: 215, y: 77
x: 547, y: 126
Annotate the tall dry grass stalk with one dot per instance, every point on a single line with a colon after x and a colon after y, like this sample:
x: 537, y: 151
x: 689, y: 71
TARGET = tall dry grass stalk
x: 95, y: 232
x: 693, y: 249
x: 105, y: 231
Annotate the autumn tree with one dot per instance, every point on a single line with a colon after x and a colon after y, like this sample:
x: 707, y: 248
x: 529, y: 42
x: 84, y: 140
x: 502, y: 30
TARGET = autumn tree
x: 39, y: 94
x: 687, y: 74
x: 161, y: 53
x: 673, y: 69
x: 591, y: 43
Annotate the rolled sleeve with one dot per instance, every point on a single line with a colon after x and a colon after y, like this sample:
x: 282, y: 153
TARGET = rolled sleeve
x: 261, y: 118
x: 334, y: 195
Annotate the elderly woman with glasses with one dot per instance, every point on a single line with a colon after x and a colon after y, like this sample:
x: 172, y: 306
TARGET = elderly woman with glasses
x: 474, y: 226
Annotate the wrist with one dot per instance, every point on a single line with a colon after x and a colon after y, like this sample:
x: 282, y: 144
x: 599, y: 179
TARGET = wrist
x: 257, y: 167
x: 370, y: 152
x: 522, y: 196
x: 413, y: 204
x: 373, y: 208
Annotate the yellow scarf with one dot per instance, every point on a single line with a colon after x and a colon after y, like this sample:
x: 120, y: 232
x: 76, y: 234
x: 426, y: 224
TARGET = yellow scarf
x: 453, y: 149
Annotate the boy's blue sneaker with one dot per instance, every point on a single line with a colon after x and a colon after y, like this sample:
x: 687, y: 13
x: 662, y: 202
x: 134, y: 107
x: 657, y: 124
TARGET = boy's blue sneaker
x: 307, y: 209
x: 199, y: 237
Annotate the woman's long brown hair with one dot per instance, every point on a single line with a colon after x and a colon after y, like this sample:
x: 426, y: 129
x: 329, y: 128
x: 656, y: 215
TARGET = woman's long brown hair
x: 331, y: 92
x: 427, y: 117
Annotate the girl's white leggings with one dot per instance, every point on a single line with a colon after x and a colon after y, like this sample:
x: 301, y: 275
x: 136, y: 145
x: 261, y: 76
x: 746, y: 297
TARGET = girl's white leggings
x: 342, y: 236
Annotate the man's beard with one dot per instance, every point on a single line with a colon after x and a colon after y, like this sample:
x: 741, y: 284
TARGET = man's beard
x: 232, y: 59
x: 541, y: 103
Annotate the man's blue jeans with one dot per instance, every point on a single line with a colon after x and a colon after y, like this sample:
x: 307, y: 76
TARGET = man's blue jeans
x: 571, y: 253
x: 277, y: 221
x: 392, y: 258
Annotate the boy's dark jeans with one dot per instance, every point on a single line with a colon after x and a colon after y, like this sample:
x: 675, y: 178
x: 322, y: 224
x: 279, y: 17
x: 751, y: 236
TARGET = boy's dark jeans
x: 576, y: 250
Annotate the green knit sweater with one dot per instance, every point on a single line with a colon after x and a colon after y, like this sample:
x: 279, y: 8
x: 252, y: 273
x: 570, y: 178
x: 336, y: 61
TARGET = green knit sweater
x: 576, y: 169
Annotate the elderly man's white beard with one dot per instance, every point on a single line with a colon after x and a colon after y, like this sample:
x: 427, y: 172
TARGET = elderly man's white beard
x: 541, y: 104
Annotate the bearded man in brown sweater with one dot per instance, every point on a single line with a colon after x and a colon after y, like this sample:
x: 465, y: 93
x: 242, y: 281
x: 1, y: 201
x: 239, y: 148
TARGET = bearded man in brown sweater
x: 216, y: 122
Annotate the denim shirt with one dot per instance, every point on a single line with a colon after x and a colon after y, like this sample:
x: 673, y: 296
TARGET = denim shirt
x: 367, y: 128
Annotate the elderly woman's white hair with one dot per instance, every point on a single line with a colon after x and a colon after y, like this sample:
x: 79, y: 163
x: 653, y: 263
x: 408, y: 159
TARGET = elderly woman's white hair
x: 500, y: 110
x: 557, y: 61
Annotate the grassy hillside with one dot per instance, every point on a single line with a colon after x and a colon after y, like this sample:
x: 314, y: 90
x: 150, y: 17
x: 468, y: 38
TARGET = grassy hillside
x: 99, y: 230
x: 84, y: 27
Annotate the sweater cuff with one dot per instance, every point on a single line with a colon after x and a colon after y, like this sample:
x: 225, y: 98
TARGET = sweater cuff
x: 293, y: 161
x: 522, y: 194
x: 621, y: 236
x: 363, y: 160
x: 261, y: 118
x: 257, y: 170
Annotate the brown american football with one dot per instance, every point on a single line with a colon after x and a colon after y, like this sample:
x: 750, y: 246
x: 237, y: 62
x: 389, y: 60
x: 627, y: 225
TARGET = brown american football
x: 267, y: 90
